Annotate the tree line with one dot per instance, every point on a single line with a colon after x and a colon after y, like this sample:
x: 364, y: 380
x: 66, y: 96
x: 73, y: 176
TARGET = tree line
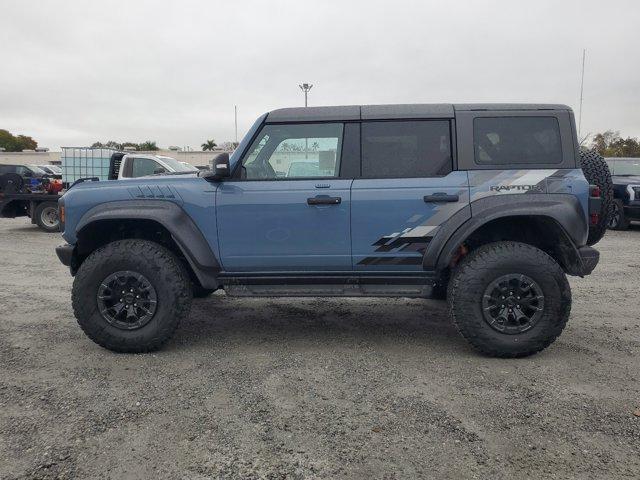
x: 17, y: 143
x: 148, y: 146
x: 611, y: 144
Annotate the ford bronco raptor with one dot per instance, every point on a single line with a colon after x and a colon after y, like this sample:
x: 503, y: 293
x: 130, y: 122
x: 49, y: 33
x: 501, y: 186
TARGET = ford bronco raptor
x: 486, y: 205
x: 626, y: 192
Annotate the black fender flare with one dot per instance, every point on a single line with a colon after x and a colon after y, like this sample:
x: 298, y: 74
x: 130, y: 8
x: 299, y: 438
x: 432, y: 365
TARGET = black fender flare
x: 189, y: 238
x: 564, y: 209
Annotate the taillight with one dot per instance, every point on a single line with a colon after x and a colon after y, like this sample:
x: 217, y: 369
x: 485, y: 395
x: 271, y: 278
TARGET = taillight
x: 594, y: 191
x: 594, y: 218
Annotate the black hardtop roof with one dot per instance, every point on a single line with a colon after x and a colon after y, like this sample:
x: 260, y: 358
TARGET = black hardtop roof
x: 395, y: 111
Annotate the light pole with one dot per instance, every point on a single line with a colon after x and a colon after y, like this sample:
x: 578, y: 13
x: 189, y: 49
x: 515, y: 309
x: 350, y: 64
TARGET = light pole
x: 305, y: 87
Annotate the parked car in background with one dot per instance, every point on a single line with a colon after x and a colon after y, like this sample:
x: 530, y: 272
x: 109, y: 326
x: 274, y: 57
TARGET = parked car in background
x: 108, y: 164
x: 27, y: 190
x: 54, y: 170
x: 35, y: 178
x: 625, y: 174
x: 25, y: 171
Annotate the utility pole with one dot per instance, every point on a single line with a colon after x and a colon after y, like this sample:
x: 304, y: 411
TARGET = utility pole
x: 584, y: 54
x: 235, y: 107
x: 305, y: 87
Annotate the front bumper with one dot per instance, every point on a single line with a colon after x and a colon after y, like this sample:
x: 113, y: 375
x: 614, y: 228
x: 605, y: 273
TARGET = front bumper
x: 632, y: 211
x: 65, y: 254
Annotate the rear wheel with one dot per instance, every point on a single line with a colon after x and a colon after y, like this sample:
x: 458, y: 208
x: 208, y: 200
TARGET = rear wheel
x: 618, y: 220
x: 130, y: 295
x: 596, y: 171
x: 509, y: 299
x: 46, y: 216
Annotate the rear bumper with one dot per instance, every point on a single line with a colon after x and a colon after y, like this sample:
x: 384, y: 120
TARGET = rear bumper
x: 589, y: 258
x: 65, y: 253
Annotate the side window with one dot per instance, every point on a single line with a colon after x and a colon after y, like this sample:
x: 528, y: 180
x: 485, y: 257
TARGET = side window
x: 516, y: 140
x: 294, y: 151
x: 144, y: 166
x: 405, y: 149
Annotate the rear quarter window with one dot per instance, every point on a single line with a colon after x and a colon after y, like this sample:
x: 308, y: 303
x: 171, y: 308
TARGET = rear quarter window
x: 516, y: 141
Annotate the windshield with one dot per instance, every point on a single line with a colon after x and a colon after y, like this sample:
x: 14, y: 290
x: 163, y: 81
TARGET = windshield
x: 624, y: 166
x: 37, y: 170
x: 51, y: 169
x: 177, y: 166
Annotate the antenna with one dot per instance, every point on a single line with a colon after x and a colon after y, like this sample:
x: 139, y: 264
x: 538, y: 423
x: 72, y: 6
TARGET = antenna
x: 235, y: 108
x: 584, y: 54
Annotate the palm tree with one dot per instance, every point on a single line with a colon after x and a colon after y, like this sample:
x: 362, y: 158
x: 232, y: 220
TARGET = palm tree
x: 147, y: 146
x: 209, y: 145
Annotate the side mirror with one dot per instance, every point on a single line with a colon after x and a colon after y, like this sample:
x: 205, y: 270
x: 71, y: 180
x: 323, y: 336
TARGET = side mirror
x: 220, y: 167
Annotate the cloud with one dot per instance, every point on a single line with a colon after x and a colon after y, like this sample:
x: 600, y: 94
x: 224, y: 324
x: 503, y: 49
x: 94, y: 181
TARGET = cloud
x: 75, y: 72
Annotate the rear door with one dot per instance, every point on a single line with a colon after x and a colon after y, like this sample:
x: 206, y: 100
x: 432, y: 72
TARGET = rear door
x: 406, y: 191
x: 289, y: 208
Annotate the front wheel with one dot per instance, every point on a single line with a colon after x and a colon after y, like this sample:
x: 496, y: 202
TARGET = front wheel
x: 509, y: 299
x: 130, y: 295
x: 618, y: 220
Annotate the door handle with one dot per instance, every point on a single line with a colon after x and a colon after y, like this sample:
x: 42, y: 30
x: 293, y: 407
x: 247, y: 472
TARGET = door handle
x: 440, y: 197
x: 324, y: 200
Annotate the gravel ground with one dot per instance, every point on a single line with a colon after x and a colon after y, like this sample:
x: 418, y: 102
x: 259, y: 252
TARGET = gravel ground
x: 314, y: 388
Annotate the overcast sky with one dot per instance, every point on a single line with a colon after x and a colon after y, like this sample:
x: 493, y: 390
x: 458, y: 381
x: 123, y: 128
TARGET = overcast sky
x: 73, y: 72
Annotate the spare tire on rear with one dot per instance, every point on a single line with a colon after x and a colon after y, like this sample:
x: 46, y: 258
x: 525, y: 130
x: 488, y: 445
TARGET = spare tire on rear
x: 596, y: 171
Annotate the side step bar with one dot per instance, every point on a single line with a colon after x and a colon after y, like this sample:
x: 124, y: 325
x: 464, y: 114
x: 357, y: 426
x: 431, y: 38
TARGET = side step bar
x: 328, y: 285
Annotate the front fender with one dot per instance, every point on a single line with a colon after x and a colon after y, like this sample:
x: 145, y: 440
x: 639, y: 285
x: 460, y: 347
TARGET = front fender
x: 171, y: 216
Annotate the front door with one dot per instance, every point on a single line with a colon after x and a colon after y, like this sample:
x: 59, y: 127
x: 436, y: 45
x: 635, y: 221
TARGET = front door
x: 407, y: 190
x: 287, y: 209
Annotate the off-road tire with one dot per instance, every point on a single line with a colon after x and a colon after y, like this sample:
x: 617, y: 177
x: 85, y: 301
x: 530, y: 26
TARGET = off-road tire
x: 201, y: 292
x: 489, y: 262
x: 41, y: 216
x: 596, y: 171
x: 618, y: 220
x: 165, y: 272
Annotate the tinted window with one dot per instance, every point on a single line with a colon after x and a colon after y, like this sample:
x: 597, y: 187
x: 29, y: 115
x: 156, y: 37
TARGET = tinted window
x: 294, y: 151
x: 516, y: 140
x: 144, y: 166
x: 406, y: 149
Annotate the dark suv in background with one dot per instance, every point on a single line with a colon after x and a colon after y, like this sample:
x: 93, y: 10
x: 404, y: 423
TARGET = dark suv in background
x: 625, y: 174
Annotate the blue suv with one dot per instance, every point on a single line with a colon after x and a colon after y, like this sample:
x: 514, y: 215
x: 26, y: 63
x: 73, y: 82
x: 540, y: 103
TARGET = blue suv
x: 486, y: 205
